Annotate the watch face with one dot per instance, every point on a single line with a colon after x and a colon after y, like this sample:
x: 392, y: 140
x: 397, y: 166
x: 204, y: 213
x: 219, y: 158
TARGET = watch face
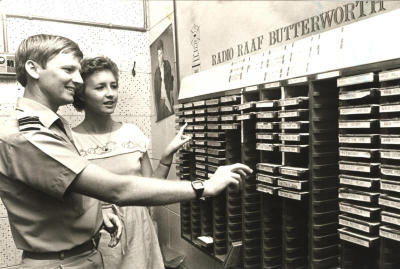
x: 198, y: 184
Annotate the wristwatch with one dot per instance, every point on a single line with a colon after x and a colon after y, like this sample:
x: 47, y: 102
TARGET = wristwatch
x: 198, y: 187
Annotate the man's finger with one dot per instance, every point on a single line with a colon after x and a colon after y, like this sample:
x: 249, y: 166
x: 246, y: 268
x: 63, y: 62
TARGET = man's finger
x: 242, y: 167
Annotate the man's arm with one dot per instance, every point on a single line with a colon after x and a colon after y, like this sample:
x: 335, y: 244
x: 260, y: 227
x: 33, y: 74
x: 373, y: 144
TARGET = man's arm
x: 134, y: 190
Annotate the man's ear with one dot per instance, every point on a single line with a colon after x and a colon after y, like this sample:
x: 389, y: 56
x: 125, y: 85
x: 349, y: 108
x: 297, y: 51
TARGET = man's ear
x: 33, y: 68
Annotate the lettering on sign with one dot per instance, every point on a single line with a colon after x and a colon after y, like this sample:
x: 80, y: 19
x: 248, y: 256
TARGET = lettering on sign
x: 345, y: 13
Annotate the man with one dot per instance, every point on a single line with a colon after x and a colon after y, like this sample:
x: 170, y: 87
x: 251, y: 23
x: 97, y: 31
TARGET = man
x: 163, y: 85
x: 47, y: 188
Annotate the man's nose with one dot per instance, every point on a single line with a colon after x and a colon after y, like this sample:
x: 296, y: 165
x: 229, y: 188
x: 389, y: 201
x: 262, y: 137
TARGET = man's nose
x: 77, y: 78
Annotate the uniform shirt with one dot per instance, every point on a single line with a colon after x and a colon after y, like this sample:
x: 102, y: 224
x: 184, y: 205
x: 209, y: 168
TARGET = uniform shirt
x: 38, y: 162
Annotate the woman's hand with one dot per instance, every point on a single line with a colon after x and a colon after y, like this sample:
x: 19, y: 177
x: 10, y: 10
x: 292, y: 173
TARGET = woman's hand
x: 180, y: 140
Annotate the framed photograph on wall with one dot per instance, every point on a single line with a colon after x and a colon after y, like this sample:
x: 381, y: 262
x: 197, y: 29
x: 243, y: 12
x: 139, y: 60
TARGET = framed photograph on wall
x: 164, y: 76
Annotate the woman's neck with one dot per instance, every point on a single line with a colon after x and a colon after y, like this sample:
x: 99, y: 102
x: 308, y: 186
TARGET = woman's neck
x: 95, y: 123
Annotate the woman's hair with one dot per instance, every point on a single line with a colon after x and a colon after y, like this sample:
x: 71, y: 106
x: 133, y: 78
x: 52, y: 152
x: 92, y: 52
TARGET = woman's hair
x: 41, y: 49
x: 89, y: 66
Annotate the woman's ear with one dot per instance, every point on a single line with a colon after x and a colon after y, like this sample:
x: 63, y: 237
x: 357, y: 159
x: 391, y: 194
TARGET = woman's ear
x: 33, y: 68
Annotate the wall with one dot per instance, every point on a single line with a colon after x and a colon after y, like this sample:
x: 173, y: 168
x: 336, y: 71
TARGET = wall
x: 122, y: 46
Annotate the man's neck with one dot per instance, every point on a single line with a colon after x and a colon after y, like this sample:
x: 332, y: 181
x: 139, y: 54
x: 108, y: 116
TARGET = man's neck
x: 36, y: 95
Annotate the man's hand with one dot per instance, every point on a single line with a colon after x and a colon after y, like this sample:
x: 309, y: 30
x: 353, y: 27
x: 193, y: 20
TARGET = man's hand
x: 113, y: 225
x: 225, y: 176
x: 180, y: 140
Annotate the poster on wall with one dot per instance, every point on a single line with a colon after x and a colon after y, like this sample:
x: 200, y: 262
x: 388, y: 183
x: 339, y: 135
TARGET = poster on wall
x: 164, y: 74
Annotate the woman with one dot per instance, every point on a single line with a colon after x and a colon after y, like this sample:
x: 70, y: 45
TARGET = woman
x: 120, y: 148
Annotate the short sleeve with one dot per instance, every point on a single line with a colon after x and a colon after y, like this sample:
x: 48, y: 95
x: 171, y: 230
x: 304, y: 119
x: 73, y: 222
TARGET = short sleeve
x: 42, y: 161
x: 135, y: 136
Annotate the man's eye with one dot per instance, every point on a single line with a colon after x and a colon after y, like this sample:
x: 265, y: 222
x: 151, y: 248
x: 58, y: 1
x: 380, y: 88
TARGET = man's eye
x: 68, y: 70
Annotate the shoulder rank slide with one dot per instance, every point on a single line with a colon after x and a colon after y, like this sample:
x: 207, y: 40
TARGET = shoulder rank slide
x: 29, y: 123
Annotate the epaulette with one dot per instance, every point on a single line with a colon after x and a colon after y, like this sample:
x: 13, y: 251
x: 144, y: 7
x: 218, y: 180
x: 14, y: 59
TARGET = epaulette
x: 29, y: 123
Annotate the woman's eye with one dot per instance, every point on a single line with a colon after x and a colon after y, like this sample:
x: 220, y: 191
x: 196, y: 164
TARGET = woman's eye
x: 114, y: 86
x: 99, y: 88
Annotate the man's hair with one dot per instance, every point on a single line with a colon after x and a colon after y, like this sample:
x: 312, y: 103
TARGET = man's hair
x: 41, y: 49
x: 160, y: 45
x: 89, y: 66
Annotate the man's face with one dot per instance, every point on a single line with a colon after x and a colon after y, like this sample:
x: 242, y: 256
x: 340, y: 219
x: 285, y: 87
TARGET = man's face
x: 160, y: 55
x: 59, y: 79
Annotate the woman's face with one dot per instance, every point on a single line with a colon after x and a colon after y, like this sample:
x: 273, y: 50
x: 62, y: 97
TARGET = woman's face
x: 101, y: 92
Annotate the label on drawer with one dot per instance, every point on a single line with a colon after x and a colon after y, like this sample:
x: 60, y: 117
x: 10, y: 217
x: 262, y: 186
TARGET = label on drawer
x: 289, y: 195
x: 289, y: 102
x: 389, y: 203
x: 200, y: 150
x: 389, y: 75
x: 199, y: 103
x: 354, y: 153
x: 389, y: 108
x: 289, y: 184
x: 264, y: 104
x: 354, y: 182
x: 290, y: 125
x: 355, y: 139
x: 387, y: 234
x: 395, y: 155
x: 228, y: 118
x: 199, y: 119
x: 289, y: 137
x: 246, y: 106
x: 388, y: 186
x: 265, y: 189
x: 265, y: 136
x: 354, y: 124
x: 212, y: 102
x: 354, y: 225
x: 390, y: 219
x: 390, y: 91
x: 354, y: 210
x: 272, y: 85
x: 354, y: 240
x: 266, y: 115
x: 355, y: 110
x: 292, y: 149
x: 358, y: 79
x: 266, y: 179
x: 227, y: 109
x: 212, y: 110
x: 288, y: 114
x: 355, y: 196
x: 353, y: 95
x: 390, y: 123
x: 264, y: 125
x: 390, y: 172
x: 390, y: 140
x: 267, y: 147
x: 354, y: 167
